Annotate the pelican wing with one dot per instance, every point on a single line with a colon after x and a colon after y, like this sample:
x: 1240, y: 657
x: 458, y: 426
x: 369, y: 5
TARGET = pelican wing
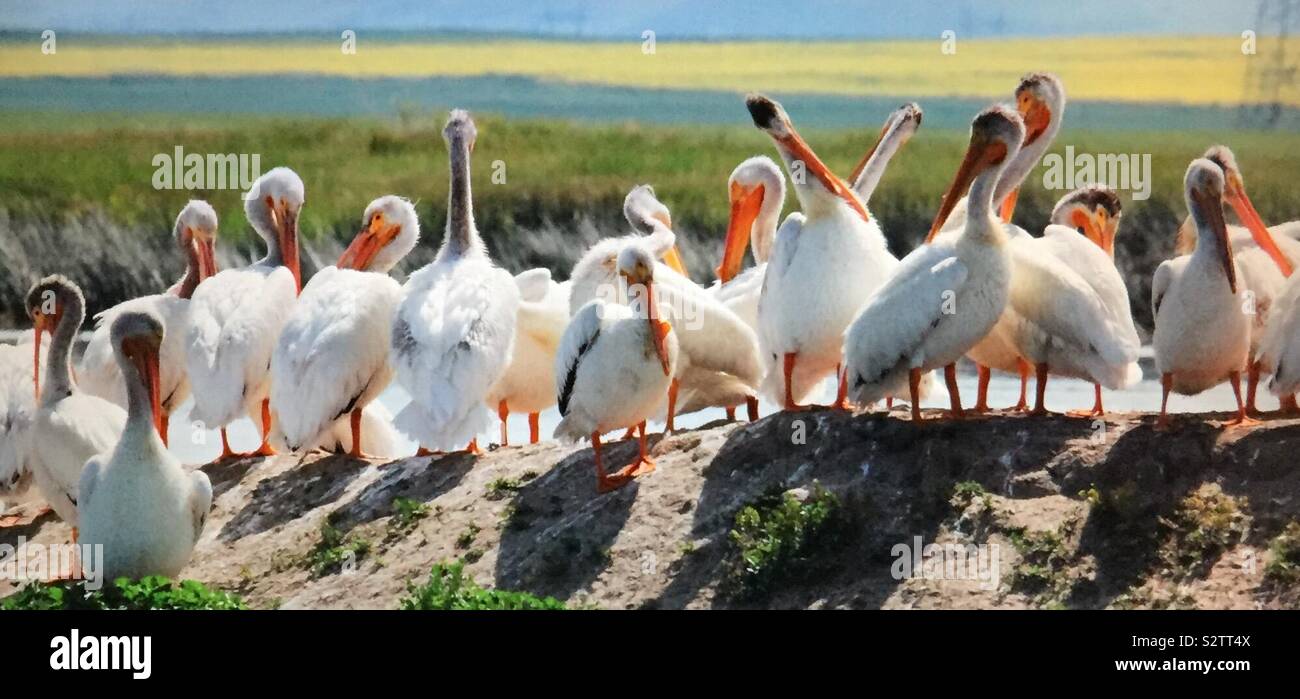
x: 200, y: 501
x: 533, y: 284
x: 888, y: 332
x: 451, y: 340
x: 235, y: 319
x: 17, y: 414
x: 89, y: 479
x: 579, y: 337
x: 1164, y: 276
x: 331, y: 351
x: 99, y: 373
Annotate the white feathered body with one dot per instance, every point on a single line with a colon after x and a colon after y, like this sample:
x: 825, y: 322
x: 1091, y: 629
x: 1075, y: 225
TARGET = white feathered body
x: 99, y: 374
x: 143, y: 508
x: 608, y: 364
x: 452, y: 340
x: 235, y: 320
x: 528, y: 385
x: 66, y: 434
x: 17, y: 416
x: 819, y: 274
x: 1201, y: 331
x: 332, y: 355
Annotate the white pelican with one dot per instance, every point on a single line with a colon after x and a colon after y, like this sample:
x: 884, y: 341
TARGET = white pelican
x: 1265, y: 256
x: 756, y: 189
x: 1202, y: 335
x: 946, y: 295
x: 138, y: 503
x: 820, y: 271
x: 331, y: 359
x: 897, y: 131
x: 720, y: 364
x: 195, y: 232
x: 614, y: 365
x: 71, y: 425
x: 528, y: 385
x: 455, y: 328
x: 236, y: 315
x: 1068, y: 313
x: 17, y: 415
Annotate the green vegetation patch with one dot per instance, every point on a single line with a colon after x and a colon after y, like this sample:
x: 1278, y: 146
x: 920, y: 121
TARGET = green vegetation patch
x: 154, y: 592
x: 407, y: 513
x: 1205, y: 524
x: 775, y: 537
x: 449, y: 588
x: 334, y: 550
x: 1284, y: 562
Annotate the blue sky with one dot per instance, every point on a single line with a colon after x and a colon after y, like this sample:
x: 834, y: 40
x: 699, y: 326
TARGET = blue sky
x: 811, y: 19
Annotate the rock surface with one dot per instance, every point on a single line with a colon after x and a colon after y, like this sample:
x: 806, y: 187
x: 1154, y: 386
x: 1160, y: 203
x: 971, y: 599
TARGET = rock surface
x: 1076, y: 513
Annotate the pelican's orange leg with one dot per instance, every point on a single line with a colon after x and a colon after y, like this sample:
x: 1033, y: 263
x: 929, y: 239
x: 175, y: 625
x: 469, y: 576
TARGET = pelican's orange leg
x: 503, y: 412
x: 1097, y: 409
x: 423, y: 452
x: 788, y: 370
x: 472, y: 448
x: 265, y: 449
x: 226, y: 451
x: 1252, y: 383
x: 914, y: 389
x: 1040, y: 391
x: 1288, y: 405
x: 1242, y: 419
x: 1023, y: 404
x: 954, y: 396
x: 672, y: 405
x: 534, y: 429
x: 842, y: 393
x: 605, y: 482
x: 982, y: 394
x: 354, y: 421
x: 731, y: 413
x: 751, y: 405
x: 642, y: 465
x: 1166, y: 385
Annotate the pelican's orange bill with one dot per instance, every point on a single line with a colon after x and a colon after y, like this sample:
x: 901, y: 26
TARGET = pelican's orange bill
x: 1258, y: 231
x: 979, y: 156
x: 745, y: 207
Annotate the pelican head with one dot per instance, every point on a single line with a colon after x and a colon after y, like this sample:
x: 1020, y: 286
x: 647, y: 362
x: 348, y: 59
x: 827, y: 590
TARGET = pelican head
x: 196, y: 234
x: 899, y: 128
x: 1234, y: 192
x: 391, y: 230
x: 137, y: 337
x: 1204, y: 186
x: 637, y: 266
x: 770, y: 117
x: 1094, y: 211
x: 995, y: 137
x: 460, y: 129
x: 1040, y: 99
x: 272, y: 205
x: 644, y: 211
x: 52, y: 302
x: 756, y: 190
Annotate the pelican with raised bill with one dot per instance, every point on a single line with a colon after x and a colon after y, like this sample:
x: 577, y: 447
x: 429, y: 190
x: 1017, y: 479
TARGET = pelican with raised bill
x: 195, y: 233
x: 614, y: 365
x: 822, y: 268
x: 138, y: 503
x: 331, y: 360
x: 946, y: 295
x: 899, y: 128
x: 1266, y: 256
x: 236, y: 316
x: 528, y: 385
x: 454, y: 331
x: 1202, y: 334
x: 71, y: 425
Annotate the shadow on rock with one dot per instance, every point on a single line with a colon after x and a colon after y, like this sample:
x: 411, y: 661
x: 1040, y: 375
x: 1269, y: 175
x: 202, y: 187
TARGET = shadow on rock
x: 287, y: 496
x: 417, y: 478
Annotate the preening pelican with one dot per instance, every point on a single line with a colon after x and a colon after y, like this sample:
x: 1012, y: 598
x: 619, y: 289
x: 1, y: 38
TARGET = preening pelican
x: 614, y: 365
x: 236, y: 315
x: 528, y: 385
x: 756, y: 189
x: 720, y: 363
x: 1264, y: 255
x: 946, y: 295
x: 71, y: 425
x: 821, y: 268
x: 331, y: 360
x: 138, y: 503
x: 1202, y: 334
x: 455, y: 328
x: 17, y: 415
x: 99, y: 374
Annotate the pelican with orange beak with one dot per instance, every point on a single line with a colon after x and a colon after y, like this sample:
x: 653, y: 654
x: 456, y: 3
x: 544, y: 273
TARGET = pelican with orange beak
x: 236, y: 315
x: 331, y: 359
x: 614, y: 365
x: 71, y: 426
x: 897, y: 131
x: 138, y: 503
x: 821, y: 268
x: 1202, y: 334
x: 1266, y: 257
x: 946, y: 295
x: 99, y: 373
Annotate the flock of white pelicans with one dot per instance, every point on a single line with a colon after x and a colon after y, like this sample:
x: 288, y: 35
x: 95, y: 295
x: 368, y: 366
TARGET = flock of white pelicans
x: 462, y: 337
